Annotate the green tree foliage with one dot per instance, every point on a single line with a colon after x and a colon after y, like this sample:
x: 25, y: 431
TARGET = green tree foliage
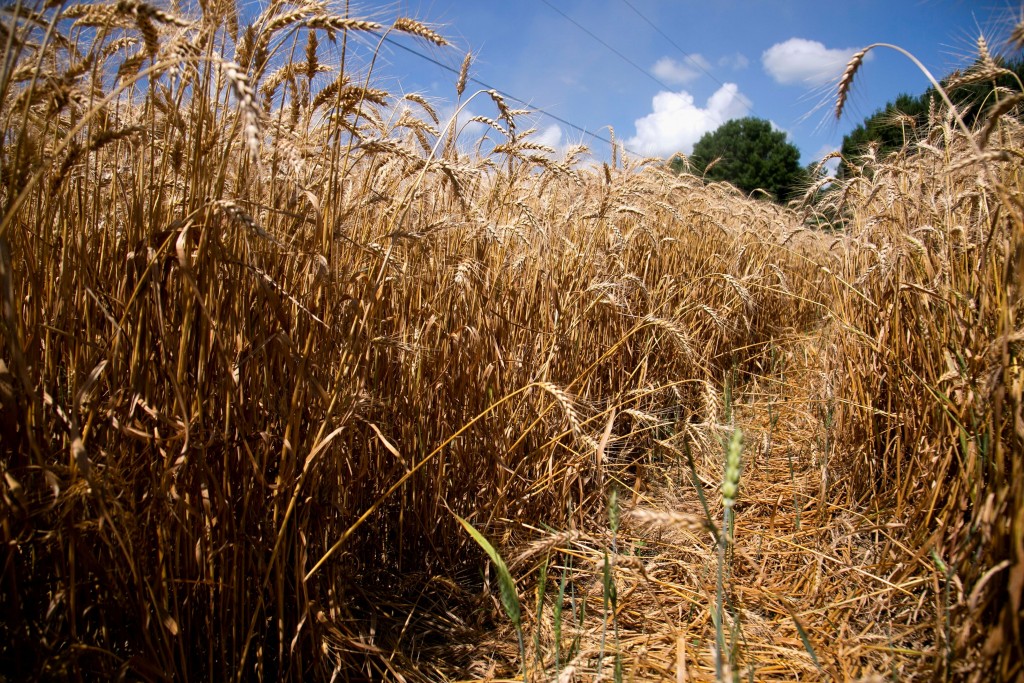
x: 751, y: 155
x: 898, y: 121
x: 890, y: 127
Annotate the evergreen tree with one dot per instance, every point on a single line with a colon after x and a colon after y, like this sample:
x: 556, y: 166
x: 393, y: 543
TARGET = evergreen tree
x: 751, y: 155
x: 898, y: 121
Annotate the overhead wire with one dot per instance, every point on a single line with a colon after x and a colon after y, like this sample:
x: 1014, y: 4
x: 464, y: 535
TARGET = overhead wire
x: 674, y: 44
x: 593, y: 36
x: 621, y: 56
x: 508, y: 96
x: 600, y: 41
x: 617, y: 53
x: 690, y: 58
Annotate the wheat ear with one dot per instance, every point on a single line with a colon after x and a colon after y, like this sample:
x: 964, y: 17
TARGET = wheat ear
x: 416, y: 28
x: 847, y: 79
x: 1017, y: 35
x: 460, y: 85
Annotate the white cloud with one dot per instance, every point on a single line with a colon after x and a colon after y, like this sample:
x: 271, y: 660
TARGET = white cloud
x: 805, y: 61
x: 550, y: 136
x: 680, y: 73
x: 737, y: 61
x: 676, y: 122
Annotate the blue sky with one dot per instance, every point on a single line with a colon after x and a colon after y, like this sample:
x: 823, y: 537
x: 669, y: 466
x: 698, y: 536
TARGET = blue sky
x: 717, y: 59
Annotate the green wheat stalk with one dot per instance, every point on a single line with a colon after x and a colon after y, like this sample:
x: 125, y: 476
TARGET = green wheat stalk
x: 730, y: 487
x: 610, y: 594
x: 559, y: 602
x: 542, y: 582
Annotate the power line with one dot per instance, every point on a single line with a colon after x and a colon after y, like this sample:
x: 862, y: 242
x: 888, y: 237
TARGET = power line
x: 508, y: 96
x: 691, y: 59
x: 621, y: 56
x: 673, y: 43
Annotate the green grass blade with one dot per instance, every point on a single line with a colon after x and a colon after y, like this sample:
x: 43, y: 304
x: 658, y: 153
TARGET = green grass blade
x: 507, y: 585
x: 806, y: 641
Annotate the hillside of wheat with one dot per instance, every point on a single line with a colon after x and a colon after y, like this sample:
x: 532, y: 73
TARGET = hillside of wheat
x: 297, y: 384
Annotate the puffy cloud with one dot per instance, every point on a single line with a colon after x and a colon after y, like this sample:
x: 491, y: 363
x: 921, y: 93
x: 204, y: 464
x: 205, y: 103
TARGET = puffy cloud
x: 736, y: 61
x: 550, y: 136
x: 677, y: 122
x: 680, y: 73
x: 805, y: 61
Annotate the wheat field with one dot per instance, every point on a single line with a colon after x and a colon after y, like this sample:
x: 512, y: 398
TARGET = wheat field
x: 297, y: 383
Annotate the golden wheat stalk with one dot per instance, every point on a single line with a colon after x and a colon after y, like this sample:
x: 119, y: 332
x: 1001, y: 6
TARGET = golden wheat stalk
x: 846, y: 80
x: 460, y: 83
x: 420, y: 30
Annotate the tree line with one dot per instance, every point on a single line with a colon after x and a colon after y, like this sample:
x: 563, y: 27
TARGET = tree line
x: 752, y: 155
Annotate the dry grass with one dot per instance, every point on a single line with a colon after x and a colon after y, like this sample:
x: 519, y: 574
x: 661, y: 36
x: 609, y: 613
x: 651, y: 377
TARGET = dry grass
x: 267, y: 329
